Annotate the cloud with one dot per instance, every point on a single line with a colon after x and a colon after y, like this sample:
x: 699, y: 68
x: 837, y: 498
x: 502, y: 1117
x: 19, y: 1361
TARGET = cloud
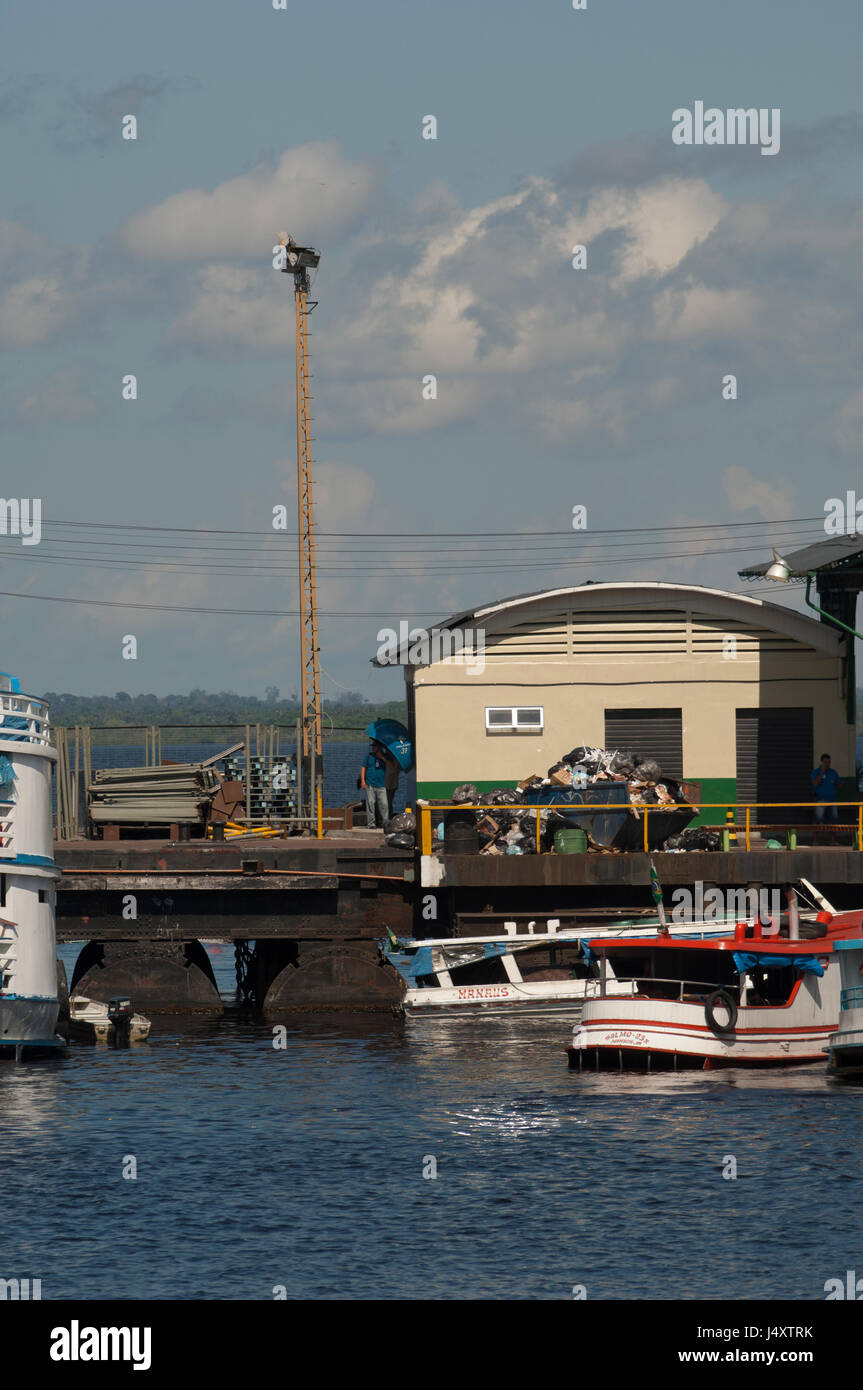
x: 34, y: 309
x: 94, y: 118
x: 747, y: 493
x: 641, y: 159
x: 848, y: 424
x: 61, y: 397
x: 232, y: 305
x: 310, y: 193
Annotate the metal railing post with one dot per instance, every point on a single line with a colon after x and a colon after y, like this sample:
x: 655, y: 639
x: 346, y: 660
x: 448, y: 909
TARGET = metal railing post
x: 748, y: 811
x: 646, y: 841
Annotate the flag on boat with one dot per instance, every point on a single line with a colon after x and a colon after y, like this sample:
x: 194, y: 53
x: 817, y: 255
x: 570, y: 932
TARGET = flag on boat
x: 656, y: 893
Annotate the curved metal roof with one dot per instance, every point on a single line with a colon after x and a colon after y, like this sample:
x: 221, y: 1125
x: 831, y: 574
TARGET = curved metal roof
x: 644, y: 594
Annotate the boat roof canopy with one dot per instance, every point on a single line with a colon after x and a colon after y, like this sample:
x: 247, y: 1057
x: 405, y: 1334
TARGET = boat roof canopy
x: 770, y: 945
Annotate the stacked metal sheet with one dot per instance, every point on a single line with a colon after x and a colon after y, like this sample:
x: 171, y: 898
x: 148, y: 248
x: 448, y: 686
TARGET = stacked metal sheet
x: 178, y: 793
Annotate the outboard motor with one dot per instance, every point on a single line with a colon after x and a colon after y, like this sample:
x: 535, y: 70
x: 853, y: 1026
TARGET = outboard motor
x: 120, y: 1011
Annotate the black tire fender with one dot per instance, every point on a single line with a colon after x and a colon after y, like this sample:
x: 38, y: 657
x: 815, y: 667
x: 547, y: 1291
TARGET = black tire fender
x: 720, y: 996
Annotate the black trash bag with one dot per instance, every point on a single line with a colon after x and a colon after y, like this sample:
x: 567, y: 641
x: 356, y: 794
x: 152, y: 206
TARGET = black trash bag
x: 401, y: 841
x: 404, y: 823
x: 466, y: 794
x: 558, y: 767
x: 702, y: 839
x: 502, y: 796
x: 578, y: 755
x: 527, y: 826
x: 673, y: 842
x: 621, y: 759
x: 648, y: 771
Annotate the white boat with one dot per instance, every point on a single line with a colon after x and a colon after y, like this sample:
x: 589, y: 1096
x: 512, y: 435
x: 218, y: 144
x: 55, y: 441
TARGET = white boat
x: 91, y: 1020
x: 537, y: 972
x: 745, y: 998
x: 28, y: 877
x: 845, y: 1046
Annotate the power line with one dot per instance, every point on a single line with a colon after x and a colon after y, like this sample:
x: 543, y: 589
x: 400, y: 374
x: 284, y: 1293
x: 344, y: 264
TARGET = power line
x: 294, y: 613
x: 429, y: 535
x: 260, y: 570
x: 182, y: 608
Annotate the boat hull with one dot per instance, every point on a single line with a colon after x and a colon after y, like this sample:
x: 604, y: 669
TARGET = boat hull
x: 29, y: 1024
x: 846, y: 1053
x: 639, y: 1031
x: 551, y: 997
x: 89, y: 1022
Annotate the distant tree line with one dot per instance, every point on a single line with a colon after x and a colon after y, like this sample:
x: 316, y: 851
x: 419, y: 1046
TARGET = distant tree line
x: 346, y: 716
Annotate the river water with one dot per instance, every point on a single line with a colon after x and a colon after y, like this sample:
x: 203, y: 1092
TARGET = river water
x: 302, y: 1168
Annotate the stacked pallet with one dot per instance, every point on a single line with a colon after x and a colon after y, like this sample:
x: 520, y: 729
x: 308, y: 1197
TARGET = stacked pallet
x: 179, y: 793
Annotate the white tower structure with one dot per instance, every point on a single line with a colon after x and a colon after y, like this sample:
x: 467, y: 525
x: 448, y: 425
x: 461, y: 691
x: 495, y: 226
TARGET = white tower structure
x: 28, y: 875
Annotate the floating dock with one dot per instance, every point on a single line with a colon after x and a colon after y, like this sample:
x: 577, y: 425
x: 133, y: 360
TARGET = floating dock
x: 305, y: 915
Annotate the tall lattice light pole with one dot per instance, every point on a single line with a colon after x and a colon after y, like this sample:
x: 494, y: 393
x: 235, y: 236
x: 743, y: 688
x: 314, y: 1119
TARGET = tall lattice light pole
x: 298, y: 261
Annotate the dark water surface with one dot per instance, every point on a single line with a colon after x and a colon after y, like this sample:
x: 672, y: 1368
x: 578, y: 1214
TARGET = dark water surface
x: 303, y: 1167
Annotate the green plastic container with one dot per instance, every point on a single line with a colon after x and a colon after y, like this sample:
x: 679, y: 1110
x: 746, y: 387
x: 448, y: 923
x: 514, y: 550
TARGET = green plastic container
x: 570, y: 842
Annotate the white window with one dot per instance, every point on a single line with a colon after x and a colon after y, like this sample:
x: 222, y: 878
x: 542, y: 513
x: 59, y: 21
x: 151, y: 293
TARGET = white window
x: 513, y: 719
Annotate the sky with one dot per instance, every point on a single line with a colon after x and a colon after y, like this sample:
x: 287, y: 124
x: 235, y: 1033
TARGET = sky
x: 450, y: 258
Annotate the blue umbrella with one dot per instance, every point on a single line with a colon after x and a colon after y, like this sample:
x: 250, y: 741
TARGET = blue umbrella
x: 396, y: 739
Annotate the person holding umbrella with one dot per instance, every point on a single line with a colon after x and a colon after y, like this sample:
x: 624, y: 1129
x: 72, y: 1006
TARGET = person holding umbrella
x: 394, y: 746
x: 373, y: 781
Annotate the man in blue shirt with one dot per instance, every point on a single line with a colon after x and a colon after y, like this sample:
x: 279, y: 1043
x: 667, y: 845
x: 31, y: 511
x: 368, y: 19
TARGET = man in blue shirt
x: 373, y: 781
x: 825, y: 783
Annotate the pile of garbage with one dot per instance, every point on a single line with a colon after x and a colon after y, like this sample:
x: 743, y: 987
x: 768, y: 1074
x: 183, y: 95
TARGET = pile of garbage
x: 509, y: 827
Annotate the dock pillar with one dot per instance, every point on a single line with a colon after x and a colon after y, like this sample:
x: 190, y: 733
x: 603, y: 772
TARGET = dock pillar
x: 346, y: 975
x: 163, y: 977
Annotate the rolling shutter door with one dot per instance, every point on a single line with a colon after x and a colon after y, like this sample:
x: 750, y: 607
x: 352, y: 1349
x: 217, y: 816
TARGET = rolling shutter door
x: 775, y: 757
x: 651, y: 733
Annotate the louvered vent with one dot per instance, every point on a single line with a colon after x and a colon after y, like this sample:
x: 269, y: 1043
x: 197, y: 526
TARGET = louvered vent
x: 709, y: 638
x: 629, y: 634
x: 530, y: 641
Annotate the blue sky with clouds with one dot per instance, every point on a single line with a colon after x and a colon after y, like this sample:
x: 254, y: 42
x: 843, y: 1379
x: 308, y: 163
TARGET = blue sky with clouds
x: 450, y: 257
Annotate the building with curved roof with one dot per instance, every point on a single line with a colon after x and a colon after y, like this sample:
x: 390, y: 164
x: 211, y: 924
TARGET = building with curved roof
x: 724, y: 689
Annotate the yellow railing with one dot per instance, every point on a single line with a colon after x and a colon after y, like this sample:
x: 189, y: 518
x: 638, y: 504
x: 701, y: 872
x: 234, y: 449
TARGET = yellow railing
x: 425, y: 814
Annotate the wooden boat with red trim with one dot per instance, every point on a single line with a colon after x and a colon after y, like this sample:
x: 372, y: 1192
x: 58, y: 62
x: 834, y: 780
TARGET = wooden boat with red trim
x: 754, y: 997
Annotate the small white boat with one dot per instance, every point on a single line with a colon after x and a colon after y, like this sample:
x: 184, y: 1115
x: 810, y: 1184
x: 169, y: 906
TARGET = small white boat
x: 535, y: 972
x: 28, y: 877
x: 93, y: 1021
x: 845, y: 1046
